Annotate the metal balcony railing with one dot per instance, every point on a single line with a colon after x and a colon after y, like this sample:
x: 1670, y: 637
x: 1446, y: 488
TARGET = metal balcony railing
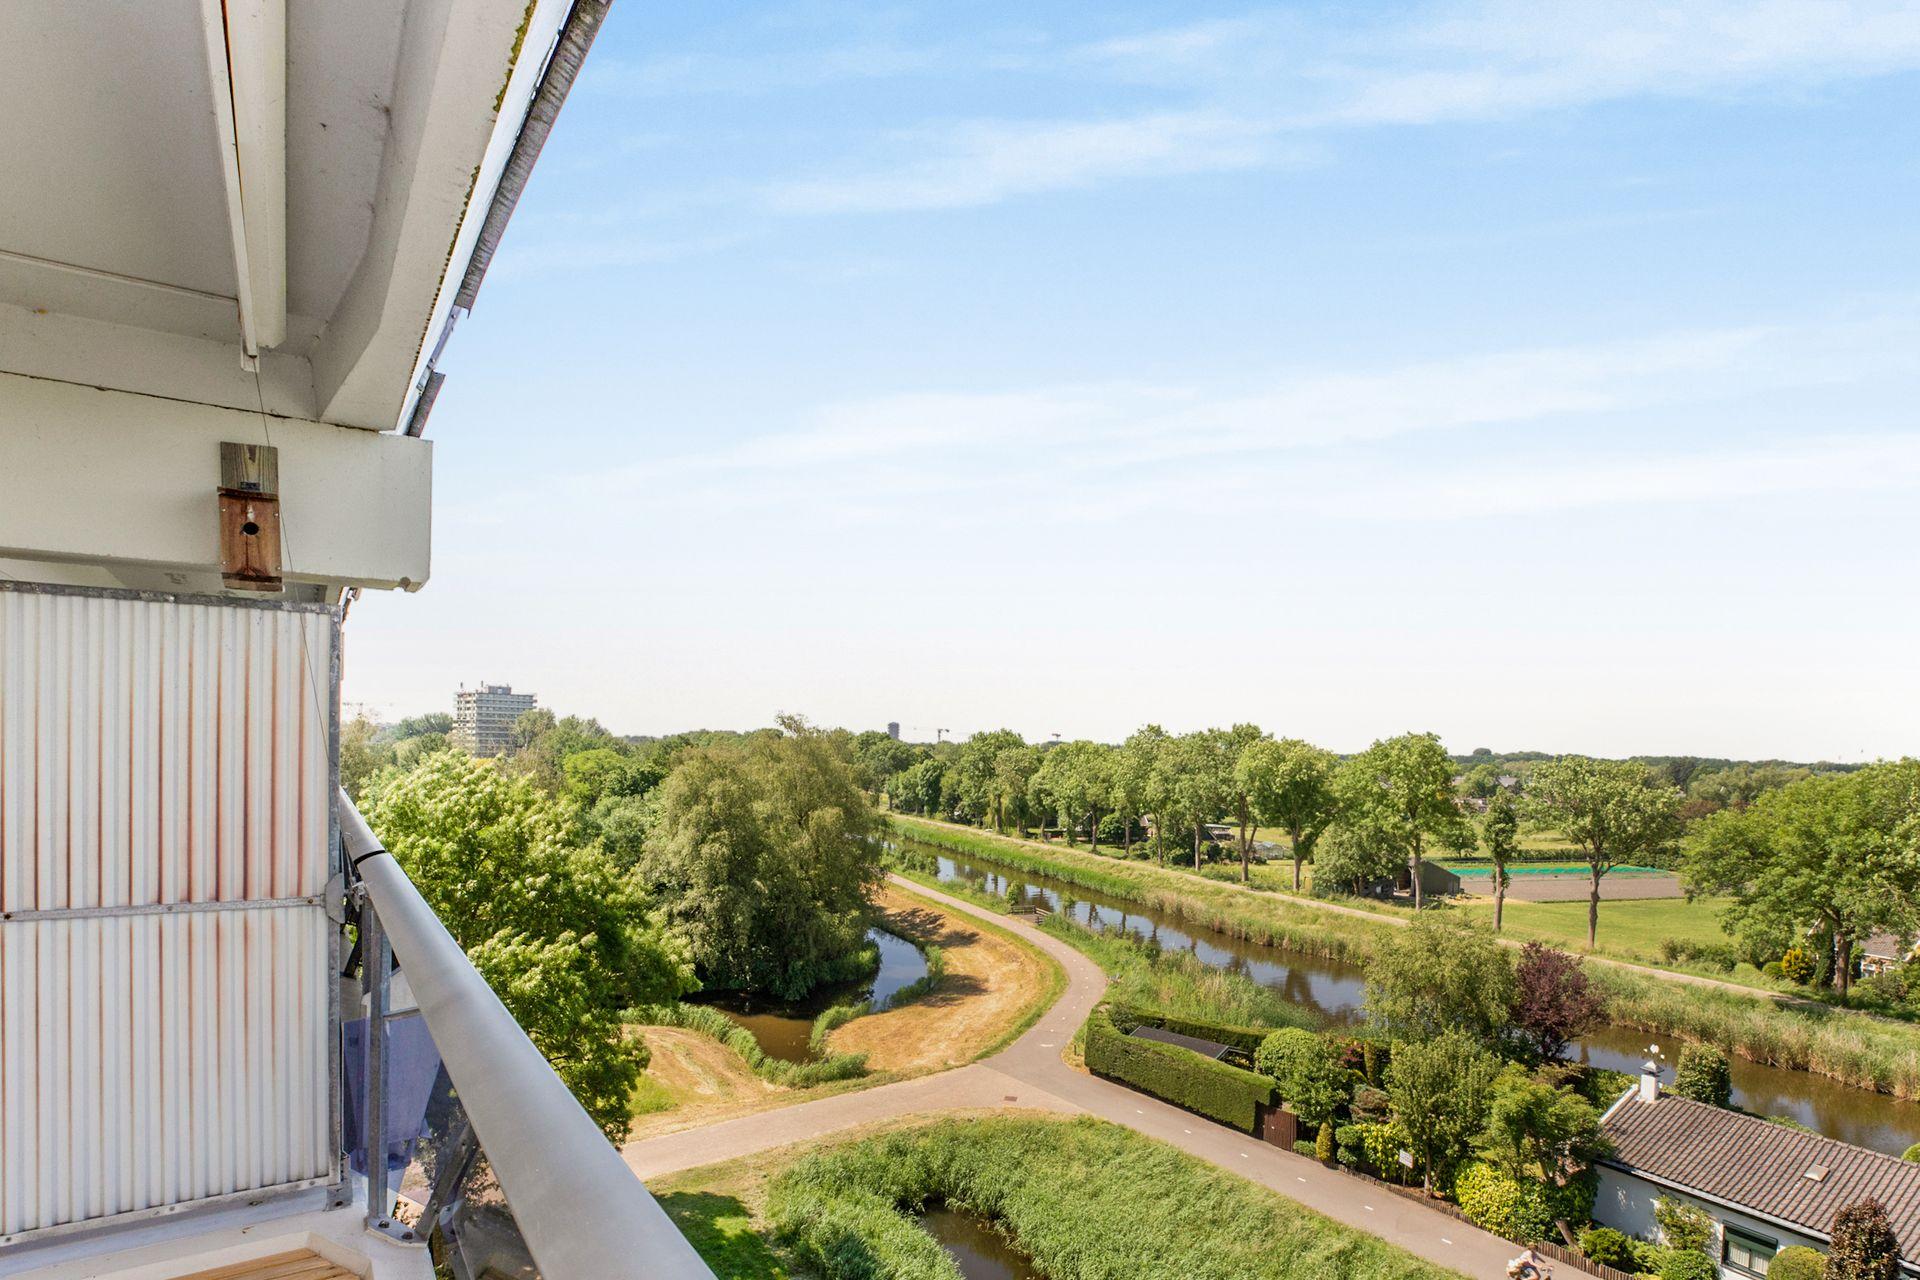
x: 582, y: 1214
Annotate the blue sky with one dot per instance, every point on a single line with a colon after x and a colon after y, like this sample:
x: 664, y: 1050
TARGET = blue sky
x: 1542, y: 375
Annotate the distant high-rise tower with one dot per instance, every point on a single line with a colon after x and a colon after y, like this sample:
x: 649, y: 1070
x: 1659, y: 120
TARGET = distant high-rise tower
x: 893, y: 730
x: 483, y: 718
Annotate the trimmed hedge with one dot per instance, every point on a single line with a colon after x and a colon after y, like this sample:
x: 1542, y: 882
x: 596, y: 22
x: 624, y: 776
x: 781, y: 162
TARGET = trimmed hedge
x: 1180, y: 1076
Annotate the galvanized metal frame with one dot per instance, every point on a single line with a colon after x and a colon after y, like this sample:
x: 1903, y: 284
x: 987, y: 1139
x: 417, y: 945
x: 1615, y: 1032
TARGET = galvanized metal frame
x: 334, y: 1179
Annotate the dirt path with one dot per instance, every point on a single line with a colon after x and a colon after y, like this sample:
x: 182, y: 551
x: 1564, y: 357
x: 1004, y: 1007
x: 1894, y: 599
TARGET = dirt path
x: 1030, y: 1073
x: 991, y: 982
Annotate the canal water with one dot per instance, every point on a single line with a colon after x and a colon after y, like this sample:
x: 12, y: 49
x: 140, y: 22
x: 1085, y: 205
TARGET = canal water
x: 1336, y: 991
x: 980, y: 1252
x: 783, y: 1029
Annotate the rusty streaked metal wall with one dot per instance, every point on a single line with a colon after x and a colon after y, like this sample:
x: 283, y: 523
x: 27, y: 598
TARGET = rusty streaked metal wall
x: 166, y: 1009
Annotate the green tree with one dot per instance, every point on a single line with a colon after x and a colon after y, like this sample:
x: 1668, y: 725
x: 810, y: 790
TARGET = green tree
x: 1072, y: 783
x: 1439, y: 975
x: 1441, y: 1090
x: 1481, y: 782
x: 978, y: 784
x: 362, y: 754
x: 1349, y: 858
x: 1289, y: 784
x: 1202, y: 782
x: 1143, y: 777
x: 917, y: 790
x: 1703, y: 1074
x: 1832, y: 854
x: 1616, y: 811
x: 598, y: 772
x: 878, y: 756
x: 1500, y: 833
x: 1399, y: 794
x: 1539, y: 1132
x: 764, y: 854
x: 439, y: 722
x: 1312, y: 1082
x: 558, y: 930
x: 1238, y: 741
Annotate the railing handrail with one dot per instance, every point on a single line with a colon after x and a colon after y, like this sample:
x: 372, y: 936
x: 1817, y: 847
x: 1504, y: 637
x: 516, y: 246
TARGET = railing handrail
x: 583, y: 1213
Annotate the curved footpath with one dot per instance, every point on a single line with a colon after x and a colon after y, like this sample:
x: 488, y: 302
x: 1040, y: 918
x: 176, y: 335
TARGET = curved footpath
x: 1030, y: 1073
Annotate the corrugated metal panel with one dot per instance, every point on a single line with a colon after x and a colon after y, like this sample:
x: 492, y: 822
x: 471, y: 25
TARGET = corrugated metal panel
x: 164, y: 847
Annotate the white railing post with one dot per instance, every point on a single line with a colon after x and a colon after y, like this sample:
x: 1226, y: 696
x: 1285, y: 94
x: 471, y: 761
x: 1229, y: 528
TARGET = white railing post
x: 583, y: 1213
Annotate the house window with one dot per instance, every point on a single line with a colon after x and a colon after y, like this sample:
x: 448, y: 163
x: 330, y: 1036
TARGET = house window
x: 1748, y: 1254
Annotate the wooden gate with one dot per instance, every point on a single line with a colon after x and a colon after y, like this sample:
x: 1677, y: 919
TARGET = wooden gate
x: 1278, y: 1126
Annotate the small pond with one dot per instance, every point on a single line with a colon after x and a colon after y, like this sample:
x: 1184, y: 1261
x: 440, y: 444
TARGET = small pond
x: 980, y: 1252
x: 783, y: 1029
x: 1336, y: 991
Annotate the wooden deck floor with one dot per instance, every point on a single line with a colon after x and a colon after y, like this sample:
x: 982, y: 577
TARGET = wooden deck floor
x: 298, y: 1265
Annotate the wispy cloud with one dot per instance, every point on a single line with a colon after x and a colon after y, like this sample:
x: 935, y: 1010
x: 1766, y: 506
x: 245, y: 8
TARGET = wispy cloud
x: 977, y: 449
x: 983, y: 162
x: 1256, y: 90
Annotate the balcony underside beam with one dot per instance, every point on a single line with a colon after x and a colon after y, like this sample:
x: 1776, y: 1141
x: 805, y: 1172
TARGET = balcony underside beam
x: 126, y: 482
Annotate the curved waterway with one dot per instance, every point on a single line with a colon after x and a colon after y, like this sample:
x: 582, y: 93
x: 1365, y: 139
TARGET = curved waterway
x: 1335, y: 991
x: 783, y: 1030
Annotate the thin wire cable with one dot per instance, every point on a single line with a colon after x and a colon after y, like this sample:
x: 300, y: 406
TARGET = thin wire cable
x: 286, y: 543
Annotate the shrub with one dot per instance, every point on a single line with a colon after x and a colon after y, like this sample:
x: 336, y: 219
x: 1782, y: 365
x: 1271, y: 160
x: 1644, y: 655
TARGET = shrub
x: 1682, y: 1226
x: 1302, y: 1065
x: 1370, y: 1103
x: 1772, y: 969
x: 1704, y: 1075
x: 1374, y: 1056
x: 1323, y: 1144
x: 1716, y: 955
x: 1912, y: 1154
x: 1302, y: 1147
x: 1348, y: 1147
x: 1864, y: 1247
x: 1648, y: 1258
x: 1180, y: 1076
x: 1682, y: 1264
x: 1799, y: 965
x: 1797, y: 1262
x: 1607, y: 1247
x: 1490, y: 1199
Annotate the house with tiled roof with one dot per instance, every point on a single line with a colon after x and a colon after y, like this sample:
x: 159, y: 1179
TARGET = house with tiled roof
x: 1766, y: 1186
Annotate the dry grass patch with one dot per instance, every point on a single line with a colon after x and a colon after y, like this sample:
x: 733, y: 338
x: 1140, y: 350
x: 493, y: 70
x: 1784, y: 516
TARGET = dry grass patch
x: 992, y: 984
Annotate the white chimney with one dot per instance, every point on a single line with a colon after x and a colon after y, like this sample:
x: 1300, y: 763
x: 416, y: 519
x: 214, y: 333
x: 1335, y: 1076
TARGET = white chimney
x: 1649, y: 1081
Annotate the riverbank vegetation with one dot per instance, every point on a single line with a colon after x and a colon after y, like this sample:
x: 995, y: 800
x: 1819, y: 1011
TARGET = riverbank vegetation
x: 1067, y: 1193
x: 1852, y: 1047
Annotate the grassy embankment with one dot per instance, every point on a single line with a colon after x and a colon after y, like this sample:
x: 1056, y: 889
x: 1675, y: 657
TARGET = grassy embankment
x: 992, y: 986
x: 1852, y: 1047
x: 1630, y: 929
x: 1067, y: 1192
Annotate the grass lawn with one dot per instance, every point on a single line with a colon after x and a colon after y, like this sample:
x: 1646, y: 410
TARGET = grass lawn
x: 1629, y: 930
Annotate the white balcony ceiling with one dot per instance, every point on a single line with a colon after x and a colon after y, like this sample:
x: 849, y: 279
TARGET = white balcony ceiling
x: 121, y: 240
